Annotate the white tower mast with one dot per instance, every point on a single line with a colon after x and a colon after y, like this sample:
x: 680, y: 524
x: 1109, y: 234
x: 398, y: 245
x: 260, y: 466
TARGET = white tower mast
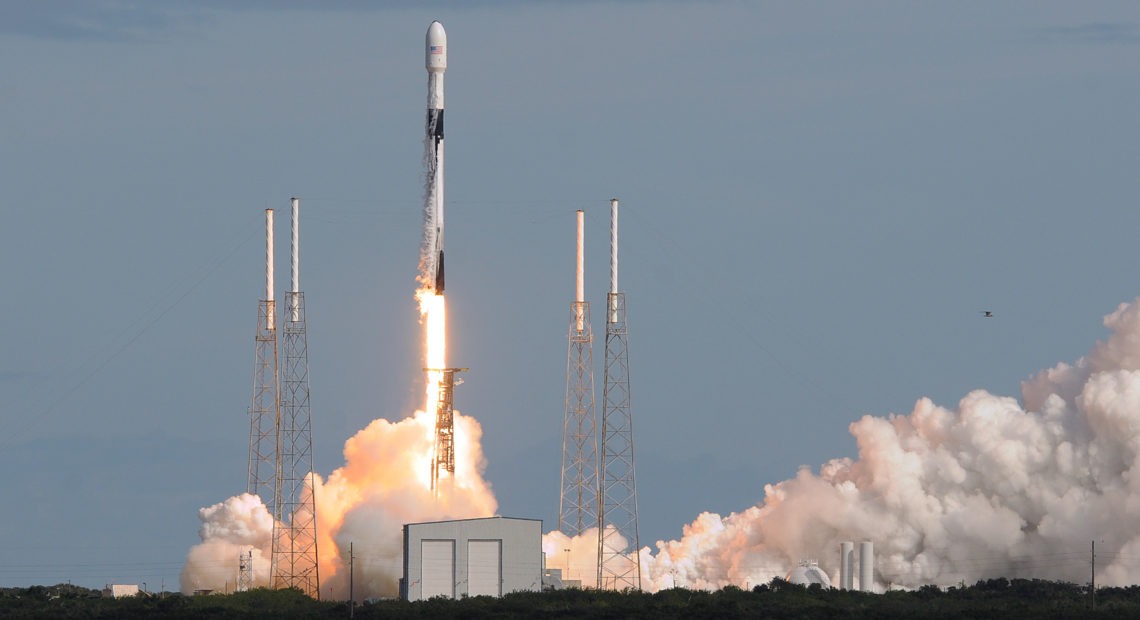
x: 618, y: 541
x: 578, y: 506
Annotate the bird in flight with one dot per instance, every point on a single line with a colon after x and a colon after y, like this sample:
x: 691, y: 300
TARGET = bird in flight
x: 989, y: 314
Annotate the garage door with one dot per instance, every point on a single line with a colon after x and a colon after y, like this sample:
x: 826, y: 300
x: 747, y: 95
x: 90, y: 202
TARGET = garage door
x: 437, y: 572
x: 484, y: 567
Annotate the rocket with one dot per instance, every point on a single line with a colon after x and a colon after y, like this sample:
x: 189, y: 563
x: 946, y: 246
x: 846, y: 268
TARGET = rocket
x: 435, y: 50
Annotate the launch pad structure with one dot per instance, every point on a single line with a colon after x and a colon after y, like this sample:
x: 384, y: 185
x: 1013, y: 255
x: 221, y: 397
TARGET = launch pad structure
x: 294, y: 558
x: 265, y: 411
x: 280, y: 436
x: 618, y: 539
x: 578, y: 505
x: 443, y: 452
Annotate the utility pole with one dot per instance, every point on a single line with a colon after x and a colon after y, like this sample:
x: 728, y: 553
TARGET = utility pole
x: 351, y: 597
x: 1092, y: 581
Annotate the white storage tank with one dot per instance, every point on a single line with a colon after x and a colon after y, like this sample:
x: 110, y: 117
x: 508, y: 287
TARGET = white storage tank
x: 866, y: 566
x: 846, y: 565
x: 807, y: 573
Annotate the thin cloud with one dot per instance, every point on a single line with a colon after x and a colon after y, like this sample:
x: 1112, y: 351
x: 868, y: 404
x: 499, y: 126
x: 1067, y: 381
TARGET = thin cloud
x: 1094, y: 33
x: 127, y: 20
x: 94, y: 21
x: 15, y: 376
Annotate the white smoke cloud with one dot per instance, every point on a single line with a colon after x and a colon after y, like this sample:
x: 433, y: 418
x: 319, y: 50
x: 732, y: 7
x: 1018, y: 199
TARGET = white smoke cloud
x: 382, y: 485
x: 576, y: 556
x: 230, y: 529
x: 994, y: 488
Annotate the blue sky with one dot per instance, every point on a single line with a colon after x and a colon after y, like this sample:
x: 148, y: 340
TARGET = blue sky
x: 817, y: 200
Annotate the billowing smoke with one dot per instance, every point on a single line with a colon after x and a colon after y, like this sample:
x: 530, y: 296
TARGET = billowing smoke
x: 383, y: 484
x: 576, y: 556
x: 230, y: 529
x: 995, y: 488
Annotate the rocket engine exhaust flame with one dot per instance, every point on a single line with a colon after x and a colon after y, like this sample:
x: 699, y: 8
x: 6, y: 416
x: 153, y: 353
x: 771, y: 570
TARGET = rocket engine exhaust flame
x: 993, y: 488
x: 996, y: 487
x: 383, y: 483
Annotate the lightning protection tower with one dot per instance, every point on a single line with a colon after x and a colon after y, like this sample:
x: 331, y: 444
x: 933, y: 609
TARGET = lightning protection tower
x: 443, y: 453
x: 265, y: 411
x: 295, y: 532
x: 617, y: 511
x: 578, y: 508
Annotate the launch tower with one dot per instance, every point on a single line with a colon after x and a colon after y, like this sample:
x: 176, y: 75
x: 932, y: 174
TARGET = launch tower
x: 617, y: 484
x: 443, y: 454
x: 578, y: 508
x: 264, y: 411
x: 245, y: 571
x: 295, y: 531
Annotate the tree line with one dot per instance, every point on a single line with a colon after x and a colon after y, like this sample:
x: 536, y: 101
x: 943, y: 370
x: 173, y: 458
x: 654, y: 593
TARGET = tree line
x: 1010, y: 599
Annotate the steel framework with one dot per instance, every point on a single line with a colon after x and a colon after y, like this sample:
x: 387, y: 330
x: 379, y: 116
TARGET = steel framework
x: 295, y: 541
x: 265, y: 410
x: 619, y: 566
x: 443, y: 453
x: 245, y: 572
x: 578, y: 509
x: 578, y: 505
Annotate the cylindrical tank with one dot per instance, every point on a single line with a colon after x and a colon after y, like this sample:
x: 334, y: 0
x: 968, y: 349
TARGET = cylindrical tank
x: 846, y: 565
x: 866, y: 566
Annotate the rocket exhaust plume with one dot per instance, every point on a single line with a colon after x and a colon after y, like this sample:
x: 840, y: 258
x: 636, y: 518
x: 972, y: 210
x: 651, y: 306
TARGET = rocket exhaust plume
x: 441, y: 380
x: 384, y: 482
x: 995, y: 488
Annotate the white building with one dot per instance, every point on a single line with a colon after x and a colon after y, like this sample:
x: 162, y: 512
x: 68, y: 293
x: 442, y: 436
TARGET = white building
x: 807, y: 573
x: 120, y: 590
x: 471, y: 557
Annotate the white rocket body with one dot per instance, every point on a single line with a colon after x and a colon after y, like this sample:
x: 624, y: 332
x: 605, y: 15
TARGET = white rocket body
x: 435, y: 51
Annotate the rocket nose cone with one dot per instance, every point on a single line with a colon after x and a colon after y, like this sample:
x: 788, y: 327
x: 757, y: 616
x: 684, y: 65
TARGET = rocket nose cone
x: 436, y: 48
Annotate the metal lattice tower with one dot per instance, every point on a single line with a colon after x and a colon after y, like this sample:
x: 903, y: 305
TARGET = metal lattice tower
x: 617, y: 512
x: 295, y: 533
x: 245, y: 572
x: 443, y: 454
x: 265, y: 411
x: 578, y: 507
